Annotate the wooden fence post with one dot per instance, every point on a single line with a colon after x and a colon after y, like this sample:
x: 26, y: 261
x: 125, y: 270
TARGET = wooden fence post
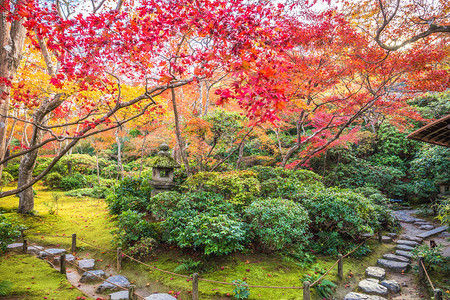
x: 380, y: 237
x: 341, y: 266
x: 131, y: 292
x: 62, y: 263
x: 437, y: 294
x: 421, y: 269
x: 25, y: 246
x: 119, y: 259
x: 306, y: 291
x: 74, y: 243
x: 195, y: 286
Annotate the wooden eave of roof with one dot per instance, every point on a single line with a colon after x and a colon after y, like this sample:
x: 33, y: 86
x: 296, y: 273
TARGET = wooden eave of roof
x: 437, y: 132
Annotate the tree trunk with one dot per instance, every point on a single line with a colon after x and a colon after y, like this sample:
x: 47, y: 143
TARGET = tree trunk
x: 241, y: 155
x: 142, y: 155
x: 294, y: 148
x: 119, y: 154
x: 178, y: 134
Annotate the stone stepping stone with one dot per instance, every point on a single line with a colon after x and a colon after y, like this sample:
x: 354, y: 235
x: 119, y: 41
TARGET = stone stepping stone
x: 15, y: 247
x: 392, y: 235
x: 117, y: 279
x: 426, y: 234
x: 34, y: 249
x: 391, y: 285
x: 394, y: 257
x: 372, y: 286
x: 426, y: 227
x: 386, y: 239
x: 86, y: 264
x: 395, y: 266
x: 358, y: 296
x: 420, y: 221
x: 69, y: 257
x: 404, y: 247
x: 122, y: 295
x: 51, y: 252
x: 408, y: 243
x: 404, y: 253
x: 160, y: 296
x: 411, y: 238
x: 376, y: 272
x: 89, y: 276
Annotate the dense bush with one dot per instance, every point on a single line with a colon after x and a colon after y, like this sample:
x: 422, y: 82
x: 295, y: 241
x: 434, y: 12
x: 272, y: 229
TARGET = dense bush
x: 163, y: 203
x: 6, y: 178
x: 131, y: 193
x: 238, y: 187
x: 52, y: 180
x: 13, y: 168
x: 73, y: 182
x: 9, y: 231
x: 132, y: 227
x: 99, y: 192
x: 277, y: 223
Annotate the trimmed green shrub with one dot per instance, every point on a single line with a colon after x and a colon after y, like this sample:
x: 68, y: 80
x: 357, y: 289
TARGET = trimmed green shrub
x: 52, y: 180
x: 132, y: 227
x: 6, y: 178
x: 277, y: 223
x: 9, y: 231
x: 99, y: 192
x: 73, y: 182
x: 131, y: 193
x: 163, y: 203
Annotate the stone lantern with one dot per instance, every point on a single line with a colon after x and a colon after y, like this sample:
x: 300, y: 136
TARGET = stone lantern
x: 163, y: 165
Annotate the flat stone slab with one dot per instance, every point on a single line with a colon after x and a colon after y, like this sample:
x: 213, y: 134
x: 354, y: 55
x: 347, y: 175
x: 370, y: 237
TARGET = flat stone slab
x: 411, y: 238
x: 394, y: 257
x: 117, y: 279
x: 404, y: 253
x: 386, y: 239
x: 358, y: 296
x: 376, y: 272
x: 69, y: 257
x: 15, y: 247
x: 93, y: 275
x: 34, y: 249
x: 52, y: 252
x: 426, y: 227
x: 372, y: 286
x: 404, y: 247
x: 391, y: 285
x: 86, y: 264
x: 160, y: 296
x: 392, y: 234
x: 395, y: 266
x: 122, y: 295
x: 408, y: 243
x: 426, y: 234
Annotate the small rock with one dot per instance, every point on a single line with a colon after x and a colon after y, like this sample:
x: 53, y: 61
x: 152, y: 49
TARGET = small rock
x: 117, y: 279
x: 89, y: 276
x: 358, y: 296
x: 366, y: 235
x: 51, y: 252
x: 34, y: 249
x: 392, y: 234
x: 404, y: 247
x: 390, y: 256
x: 394, y: 266
x: 419, y: 221
x: 160, y: 296
x: 69, y: 257
x: 426, y: 227
x: 86, y: 264
x: 386, y: 239
x: 376, y: 272
x: 391, y: 285
x: 408, y: 243
x: 404, y: 253
x: 122, y: 295
x: 372, y: 286
x: 15, y: 247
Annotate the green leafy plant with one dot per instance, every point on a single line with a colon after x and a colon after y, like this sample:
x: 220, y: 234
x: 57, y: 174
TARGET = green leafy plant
x: 324, y: 288
x: 9, y: 231
x: 240, y: 291
x: 72, y: 182
x: 432, y: 257
x: 52, y: 180
x: 189, y: 265
x: 132, y: 228
x: 5, y: 287
x: 143, y: 248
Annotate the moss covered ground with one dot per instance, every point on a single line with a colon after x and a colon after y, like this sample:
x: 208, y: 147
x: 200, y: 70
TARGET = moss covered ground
x: 89, y: 219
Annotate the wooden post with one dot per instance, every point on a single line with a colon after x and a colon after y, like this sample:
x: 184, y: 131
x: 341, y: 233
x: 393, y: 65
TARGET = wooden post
x: 421, y: 269
x: 74, y: 243
x: 25, y: 246
x: 131, y: 292
x: 195, y: 286
x: 380, y: 237
x: 341, y: 266
x: 306, y: 291
x: 62, y: 264
x: 22, y: 235
x: 119, y: 259
x: 437, y: 294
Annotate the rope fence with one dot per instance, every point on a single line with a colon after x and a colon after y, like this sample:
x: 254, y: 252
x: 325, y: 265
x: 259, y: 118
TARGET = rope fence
x: 195, y: 277
x: 424, y: 274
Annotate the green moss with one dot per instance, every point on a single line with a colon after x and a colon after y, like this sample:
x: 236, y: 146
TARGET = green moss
x: 164, y: 162
x: 33, y: 278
